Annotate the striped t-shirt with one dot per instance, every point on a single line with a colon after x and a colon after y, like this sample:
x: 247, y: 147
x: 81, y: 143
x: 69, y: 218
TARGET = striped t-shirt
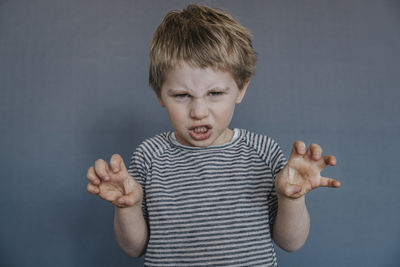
x: 210, y: 206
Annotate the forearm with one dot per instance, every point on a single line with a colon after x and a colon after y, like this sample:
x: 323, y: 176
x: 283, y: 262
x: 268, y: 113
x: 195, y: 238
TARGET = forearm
x: 131, y: 230
x: 292, y: 223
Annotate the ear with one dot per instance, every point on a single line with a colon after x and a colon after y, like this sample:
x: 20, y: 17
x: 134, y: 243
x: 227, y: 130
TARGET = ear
x: 242, y: 92
x: 161, y: 101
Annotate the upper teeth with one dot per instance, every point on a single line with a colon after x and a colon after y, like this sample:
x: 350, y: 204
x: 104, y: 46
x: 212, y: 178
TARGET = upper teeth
x: 200, y: 129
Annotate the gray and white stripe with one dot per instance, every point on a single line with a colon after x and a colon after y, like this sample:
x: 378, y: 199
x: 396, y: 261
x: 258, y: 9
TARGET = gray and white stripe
x: 209, y: 206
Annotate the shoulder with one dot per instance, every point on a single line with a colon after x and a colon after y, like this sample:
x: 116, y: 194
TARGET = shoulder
x: 265, y: 146
x: 260, y: 142
x: 150, y: 149
x: 155, y: 145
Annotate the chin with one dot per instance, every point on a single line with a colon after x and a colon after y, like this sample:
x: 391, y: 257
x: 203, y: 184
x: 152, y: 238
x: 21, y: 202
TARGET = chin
x: 203, y: 143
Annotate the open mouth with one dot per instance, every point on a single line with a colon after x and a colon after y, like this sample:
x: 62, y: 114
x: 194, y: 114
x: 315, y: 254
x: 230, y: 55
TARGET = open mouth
x: 201, y: 132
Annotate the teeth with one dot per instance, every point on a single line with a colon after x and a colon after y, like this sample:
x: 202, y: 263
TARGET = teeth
x: 200, y: 129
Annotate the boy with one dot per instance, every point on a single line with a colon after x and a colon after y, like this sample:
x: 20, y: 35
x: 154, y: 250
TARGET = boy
x: 205, y: 194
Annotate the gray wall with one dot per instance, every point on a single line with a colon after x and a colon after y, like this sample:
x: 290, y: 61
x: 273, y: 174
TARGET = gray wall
x: 73, y: 80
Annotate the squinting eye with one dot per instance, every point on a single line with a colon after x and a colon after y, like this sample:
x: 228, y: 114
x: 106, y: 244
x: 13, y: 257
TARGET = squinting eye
x: 216, y: 93
x: 181, y: 95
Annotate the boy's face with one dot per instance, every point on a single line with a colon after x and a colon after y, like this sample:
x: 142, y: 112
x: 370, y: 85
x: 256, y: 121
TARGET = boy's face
x: 200, y: 104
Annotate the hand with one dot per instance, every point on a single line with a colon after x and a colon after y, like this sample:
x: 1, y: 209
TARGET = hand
x: 113, y: 183
x: 302, y: 172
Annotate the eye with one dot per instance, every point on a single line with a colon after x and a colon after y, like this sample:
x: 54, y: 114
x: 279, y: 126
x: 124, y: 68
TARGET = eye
x: 216, y: 93
x: 181, y: 95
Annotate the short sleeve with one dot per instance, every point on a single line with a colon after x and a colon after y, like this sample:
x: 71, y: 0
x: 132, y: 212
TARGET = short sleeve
x: 277, y: 161
x: 138, y: 169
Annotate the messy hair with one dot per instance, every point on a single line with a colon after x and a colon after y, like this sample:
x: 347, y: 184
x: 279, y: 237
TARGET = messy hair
x: 201, y: 37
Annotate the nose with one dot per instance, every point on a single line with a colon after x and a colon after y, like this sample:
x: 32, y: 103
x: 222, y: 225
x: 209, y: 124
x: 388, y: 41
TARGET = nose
x: 198, y: 109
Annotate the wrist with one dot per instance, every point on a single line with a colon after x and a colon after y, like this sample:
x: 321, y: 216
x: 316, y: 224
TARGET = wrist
x: 134, y: 209
x: 292, y: 206
x: 290, y: 200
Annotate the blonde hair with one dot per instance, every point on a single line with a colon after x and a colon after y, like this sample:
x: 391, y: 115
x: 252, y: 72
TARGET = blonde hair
x: 201, y: 37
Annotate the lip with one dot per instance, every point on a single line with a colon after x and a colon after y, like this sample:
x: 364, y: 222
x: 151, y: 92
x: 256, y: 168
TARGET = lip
x: 200, y: 136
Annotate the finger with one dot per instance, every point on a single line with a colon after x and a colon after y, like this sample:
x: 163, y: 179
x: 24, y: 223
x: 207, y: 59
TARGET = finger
x: 299, y: 148
x: 117, y: 163
x: 91, y: 188
x: 329, y: 182
x: 91, y: 175
x: 101, y: 168
x: 327, y: 160
x: 314, y: 151
x: 330, y: 160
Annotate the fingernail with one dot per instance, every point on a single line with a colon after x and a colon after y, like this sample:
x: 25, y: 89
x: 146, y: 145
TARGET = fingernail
x: 116, y: 170
x: 122, y: 201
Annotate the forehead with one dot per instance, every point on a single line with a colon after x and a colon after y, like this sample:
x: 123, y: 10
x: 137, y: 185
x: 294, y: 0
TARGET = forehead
x: 186, y: 77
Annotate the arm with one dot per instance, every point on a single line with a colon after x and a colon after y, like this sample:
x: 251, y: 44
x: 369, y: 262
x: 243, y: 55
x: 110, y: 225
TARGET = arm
x: 292, y: 224
x: 130, y: 230
x: 114, y: 184
x: 300, y: 175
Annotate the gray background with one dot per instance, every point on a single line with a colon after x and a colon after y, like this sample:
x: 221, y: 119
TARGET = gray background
x: 73, y: 79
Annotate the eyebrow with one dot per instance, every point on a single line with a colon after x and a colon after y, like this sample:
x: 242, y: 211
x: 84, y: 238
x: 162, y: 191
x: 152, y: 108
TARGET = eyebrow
x: 226, y: 89
x: 175, y: 91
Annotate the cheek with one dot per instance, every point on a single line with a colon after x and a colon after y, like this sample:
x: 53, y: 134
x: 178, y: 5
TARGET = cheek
x: 176, y: 115
x: 225, y: 111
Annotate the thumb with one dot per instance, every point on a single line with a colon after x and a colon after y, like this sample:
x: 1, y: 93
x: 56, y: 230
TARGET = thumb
x: 131, y: 198
x: 284, y: 187
x: 292, y: 190
x: 127, y: 200
x: 132, y: 191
